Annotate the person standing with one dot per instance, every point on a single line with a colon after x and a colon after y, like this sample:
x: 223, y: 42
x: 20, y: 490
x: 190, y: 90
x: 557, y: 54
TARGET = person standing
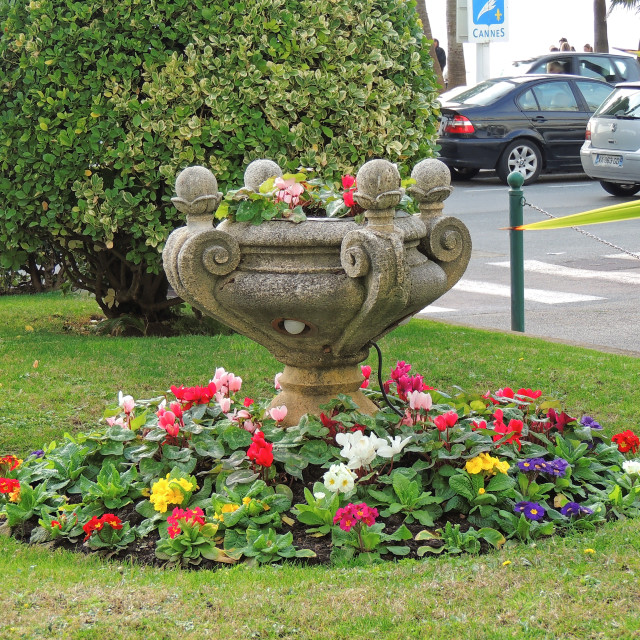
x: 440, y: 54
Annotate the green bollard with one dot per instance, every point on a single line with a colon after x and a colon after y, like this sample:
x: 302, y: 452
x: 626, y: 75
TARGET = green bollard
x: 516, y: 218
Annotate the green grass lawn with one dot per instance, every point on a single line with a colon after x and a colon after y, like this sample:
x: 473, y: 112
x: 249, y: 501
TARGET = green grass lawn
x: 54, y: 378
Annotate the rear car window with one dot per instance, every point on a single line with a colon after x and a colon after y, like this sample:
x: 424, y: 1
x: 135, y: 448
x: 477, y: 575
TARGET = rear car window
x: 622, y: 103
x: 484, y: 93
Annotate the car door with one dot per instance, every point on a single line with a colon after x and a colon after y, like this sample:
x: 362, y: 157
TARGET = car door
x: 559, y: 117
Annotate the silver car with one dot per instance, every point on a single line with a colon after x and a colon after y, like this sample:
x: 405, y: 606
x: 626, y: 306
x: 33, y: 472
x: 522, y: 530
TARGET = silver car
x: 611, y: 151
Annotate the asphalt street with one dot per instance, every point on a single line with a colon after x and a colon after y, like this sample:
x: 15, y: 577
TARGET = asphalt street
x: 578, y: 289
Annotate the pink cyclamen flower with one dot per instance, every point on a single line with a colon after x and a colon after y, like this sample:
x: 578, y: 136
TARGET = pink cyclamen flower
x: 276, y: 381
x: 126, y: 402
x: 419, y: 400
x: 167, y: 421
x: 234, y: 383
x: 289, y: 191
x: 225, y: 403
x: 114, y: 421
x: 278, y: 413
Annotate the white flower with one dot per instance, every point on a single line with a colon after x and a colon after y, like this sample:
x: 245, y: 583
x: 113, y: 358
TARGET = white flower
x: 396, y: 446
x: 631, y: 466
x: 339, y: 479
x: 358, y: 449
x: 319, y: 495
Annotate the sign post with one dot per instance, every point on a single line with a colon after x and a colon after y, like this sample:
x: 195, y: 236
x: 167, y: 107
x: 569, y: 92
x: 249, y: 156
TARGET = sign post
x: 486, y: 22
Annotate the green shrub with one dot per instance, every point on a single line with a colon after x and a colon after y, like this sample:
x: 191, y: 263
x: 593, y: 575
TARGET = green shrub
x: 102, y: 103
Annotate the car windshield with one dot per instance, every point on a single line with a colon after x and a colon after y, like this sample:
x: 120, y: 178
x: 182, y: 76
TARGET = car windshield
x: 484, y: 93
x: 622, y: 103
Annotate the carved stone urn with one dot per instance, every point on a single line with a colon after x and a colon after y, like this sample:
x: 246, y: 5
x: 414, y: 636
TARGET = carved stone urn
x: 316, y: 293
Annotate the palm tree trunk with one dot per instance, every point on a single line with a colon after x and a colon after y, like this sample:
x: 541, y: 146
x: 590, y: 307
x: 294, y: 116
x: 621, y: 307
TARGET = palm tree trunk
x: 600, y: 36
x: 421, y: 7
x: 456, y: 69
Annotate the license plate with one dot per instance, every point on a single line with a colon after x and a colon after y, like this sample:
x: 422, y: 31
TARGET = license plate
x: 614, y: 161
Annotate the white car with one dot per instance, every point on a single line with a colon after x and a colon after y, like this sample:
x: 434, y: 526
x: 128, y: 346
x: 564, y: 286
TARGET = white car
x: 611, y: 151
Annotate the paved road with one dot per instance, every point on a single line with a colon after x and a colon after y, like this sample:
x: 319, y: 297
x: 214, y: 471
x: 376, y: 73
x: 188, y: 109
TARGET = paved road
x: 577, y: 290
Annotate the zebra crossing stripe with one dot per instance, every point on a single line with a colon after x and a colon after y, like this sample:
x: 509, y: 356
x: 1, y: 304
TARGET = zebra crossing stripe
x: 535, y: 266
x: 533, y: 295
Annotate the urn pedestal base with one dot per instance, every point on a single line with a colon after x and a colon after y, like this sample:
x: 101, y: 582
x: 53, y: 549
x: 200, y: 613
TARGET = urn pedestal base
x: 304, y: 390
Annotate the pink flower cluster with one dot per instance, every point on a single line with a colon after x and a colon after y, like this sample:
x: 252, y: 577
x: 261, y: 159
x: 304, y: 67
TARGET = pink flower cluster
x: 405, y: 384
x: 188, y: 516
x: 289, y: 191
x: 170, y: 419
x: 349, y: 516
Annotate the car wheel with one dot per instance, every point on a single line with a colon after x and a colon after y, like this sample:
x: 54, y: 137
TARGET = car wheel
x: 463, y: 173
x: 522, y: 156
x: 616, y: 189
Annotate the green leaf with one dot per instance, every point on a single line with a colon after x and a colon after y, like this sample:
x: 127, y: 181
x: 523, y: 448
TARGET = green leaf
x: 462, y: 485
x: 500, y: 482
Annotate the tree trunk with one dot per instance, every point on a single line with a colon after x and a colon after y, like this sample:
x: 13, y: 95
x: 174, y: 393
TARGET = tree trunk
x: 421, y: 8
x: 456, y: 68
x: 600, y: 37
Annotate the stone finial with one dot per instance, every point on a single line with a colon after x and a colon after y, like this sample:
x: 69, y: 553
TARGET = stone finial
x: 379, y: 192
x: 197, y: 194
x: 258, y: 171
x: 432, y: 186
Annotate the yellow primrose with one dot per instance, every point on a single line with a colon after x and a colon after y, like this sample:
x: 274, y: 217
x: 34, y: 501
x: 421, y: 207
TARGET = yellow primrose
x: 230, y: 508
x: 246, y: 500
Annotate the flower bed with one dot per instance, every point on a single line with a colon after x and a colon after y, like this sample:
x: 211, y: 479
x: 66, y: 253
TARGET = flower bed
x: 205, y: 476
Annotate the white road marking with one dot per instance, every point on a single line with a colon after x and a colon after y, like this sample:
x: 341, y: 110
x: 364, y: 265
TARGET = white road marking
x: 565, y: 186
x: 533, y: 295
x: 433, y: 309
x: 623, y: 256
x: 535, y: 266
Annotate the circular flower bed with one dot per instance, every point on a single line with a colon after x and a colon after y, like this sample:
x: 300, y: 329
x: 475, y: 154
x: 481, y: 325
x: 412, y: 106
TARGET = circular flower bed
x: 203, y: 475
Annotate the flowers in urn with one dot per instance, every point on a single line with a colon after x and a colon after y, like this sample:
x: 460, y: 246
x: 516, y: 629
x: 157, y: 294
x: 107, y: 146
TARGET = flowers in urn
x: 296, y: 197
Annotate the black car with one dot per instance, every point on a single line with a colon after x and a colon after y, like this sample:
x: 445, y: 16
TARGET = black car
x: 528, y: 124
x: 612, y: 67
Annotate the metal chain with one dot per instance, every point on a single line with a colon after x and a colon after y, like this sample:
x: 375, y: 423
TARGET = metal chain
x: 582, y: 231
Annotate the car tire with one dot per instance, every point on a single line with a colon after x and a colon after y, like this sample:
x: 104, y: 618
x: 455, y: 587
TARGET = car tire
x: 463, y: 174
x: 617, y: 189
x: 523, y: 156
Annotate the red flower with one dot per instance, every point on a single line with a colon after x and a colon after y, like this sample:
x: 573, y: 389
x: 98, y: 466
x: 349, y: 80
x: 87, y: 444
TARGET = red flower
x: 55, y: 523
x: 8, y: 485
x: 189, y: 396
x: 514, y: 428
x: 11, y: 461
x: 112, y: 520
x: 446, y: 420
x: 349, y: 184
x: 479, y: 425
x: 95, y: 524
x: 626, y: 441
x: 248, y: 402
x: 559, y: 421
x: 260, y: 451
x: 529, y: 393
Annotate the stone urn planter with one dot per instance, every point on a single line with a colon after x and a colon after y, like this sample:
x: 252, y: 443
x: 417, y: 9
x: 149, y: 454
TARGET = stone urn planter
x: 316, y: 293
